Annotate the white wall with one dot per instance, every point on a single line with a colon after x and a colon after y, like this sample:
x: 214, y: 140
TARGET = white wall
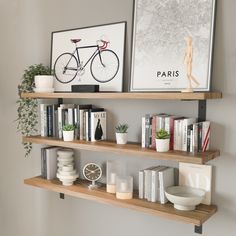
x: 24, y: 211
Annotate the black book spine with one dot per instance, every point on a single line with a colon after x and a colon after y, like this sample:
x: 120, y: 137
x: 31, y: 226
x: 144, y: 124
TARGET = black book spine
x: 189, y: 137
x: 50, y: 121
x: 199, y: 137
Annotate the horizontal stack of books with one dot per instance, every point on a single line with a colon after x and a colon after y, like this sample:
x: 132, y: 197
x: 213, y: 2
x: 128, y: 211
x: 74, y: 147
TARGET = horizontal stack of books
x: 186, y: 134
x: 153, y: 181
x: 89, y: 121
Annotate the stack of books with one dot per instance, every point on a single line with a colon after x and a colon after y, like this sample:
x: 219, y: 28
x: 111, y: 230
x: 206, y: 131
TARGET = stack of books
x: 185, y: 133
x: 153, y: 181
x: 89, y: 121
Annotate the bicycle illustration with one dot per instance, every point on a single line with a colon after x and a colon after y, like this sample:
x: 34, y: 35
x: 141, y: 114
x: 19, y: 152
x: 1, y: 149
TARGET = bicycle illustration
x: 104, y: 63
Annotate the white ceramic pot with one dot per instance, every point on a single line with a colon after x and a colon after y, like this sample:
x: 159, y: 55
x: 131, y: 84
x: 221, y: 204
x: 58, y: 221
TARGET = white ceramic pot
x: 121, y: 138
x: 68, y: 135
x: 43, y: 81
x: 162, y: 145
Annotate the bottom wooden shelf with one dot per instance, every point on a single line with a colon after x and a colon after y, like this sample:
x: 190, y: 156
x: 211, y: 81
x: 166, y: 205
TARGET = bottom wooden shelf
x: 80, y: 190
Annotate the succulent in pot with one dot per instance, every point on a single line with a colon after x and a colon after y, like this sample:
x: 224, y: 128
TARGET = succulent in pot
x: 121, y: 133
x: 162, y: 141
x: 68, y: 132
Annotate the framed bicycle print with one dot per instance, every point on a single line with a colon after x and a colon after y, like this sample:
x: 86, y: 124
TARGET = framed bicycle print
x: 89, y: 56
x: 172, y: 45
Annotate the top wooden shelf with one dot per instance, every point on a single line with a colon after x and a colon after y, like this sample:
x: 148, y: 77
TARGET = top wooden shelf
x: 120, y: 96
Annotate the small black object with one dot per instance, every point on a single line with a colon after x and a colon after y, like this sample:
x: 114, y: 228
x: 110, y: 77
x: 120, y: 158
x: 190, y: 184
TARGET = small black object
x: 198, y: 229
x: 85, y: 88
x: 62, y: 196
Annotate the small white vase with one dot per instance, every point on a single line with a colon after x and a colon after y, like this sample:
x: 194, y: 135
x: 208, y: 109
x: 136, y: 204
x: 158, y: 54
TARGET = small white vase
x: 43, y: 81
x: 68, y: 135
x: 162, y: 145
x: 121, y: 138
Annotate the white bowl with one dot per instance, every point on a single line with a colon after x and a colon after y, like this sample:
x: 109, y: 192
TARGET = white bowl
x: 185, y: 198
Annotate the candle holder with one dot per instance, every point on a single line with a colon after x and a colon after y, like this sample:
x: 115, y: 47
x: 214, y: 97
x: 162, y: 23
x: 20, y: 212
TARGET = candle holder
x: 112, y: 172
x: 124, y: 187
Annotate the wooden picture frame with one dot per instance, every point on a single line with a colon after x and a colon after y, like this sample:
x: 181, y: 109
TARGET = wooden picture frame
x: 163, y: 58
x: 78, y: 57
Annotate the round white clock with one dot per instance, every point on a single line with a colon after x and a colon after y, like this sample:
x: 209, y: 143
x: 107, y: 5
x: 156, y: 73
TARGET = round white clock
x: 92, y: 172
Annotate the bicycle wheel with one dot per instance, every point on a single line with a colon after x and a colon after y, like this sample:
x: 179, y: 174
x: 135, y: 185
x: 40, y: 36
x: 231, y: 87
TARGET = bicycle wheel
x: 66, y: 68
x: 104, y: 69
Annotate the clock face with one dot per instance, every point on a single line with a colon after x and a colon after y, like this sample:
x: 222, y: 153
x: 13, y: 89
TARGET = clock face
x: 92, y: 172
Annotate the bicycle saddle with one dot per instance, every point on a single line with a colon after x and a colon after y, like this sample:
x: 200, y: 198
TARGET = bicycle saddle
x: 75, y: 40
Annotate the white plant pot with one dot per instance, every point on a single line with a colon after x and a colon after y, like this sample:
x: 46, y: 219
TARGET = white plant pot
x: 43, y: 81
x: 68, y: 135
x: 162, y: 145
x: 121, y: 138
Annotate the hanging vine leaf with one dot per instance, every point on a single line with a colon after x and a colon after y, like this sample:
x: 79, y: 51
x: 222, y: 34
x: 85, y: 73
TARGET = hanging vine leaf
x: 27, y: 110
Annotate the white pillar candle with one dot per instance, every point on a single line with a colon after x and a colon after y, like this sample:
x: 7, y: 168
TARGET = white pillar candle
x: 113, y: 178
x: 123, y: 186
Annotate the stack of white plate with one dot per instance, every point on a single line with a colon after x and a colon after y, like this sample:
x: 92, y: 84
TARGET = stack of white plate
x: 66, y: 171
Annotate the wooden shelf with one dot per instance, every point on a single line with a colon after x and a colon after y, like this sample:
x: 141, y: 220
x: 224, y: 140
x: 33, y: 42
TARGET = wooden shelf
x: 130, y: 149
x: 80, y: 190
x: 143, y: 96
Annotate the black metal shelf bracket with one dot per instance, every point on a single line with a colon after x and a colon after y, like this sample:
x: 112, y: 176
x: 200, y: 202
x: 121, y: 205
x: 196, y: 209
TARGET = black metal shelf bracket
x: 62, y: 196
x: 202, y: 104
x: 198, y: 229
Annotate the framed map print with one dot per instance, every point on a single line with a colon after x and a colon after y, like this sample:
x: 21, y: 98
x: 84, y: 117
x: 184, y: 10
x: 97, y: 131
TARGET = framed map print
x: 172, y: 45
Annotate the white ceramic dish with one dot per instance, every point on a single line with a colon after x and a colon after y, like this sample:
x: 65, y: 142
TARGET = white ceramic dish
x: 185, y: 198
x: 64, y: 153
x: 67, y: 173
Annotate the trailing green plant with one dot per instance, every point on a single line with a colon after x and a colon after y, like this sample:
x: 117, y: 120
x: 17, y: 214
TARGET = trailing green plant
x: 68, y: 127
x: 162, y: 134
x: 122, y: 128
x: 27, y: 110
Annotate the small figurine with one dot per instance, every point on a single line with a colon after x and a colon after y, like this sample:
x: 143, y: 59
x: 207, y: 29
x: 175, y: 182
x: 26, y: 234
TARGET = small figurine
x: 188, y: 60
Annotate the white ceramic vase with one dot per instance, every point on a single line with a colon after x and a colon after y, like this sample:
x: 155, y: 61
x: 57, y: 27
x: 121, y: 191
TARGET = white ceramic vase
x: 162, y: 145
x: 121, y: 138
x: 68, y: 135
x: 43, y: 81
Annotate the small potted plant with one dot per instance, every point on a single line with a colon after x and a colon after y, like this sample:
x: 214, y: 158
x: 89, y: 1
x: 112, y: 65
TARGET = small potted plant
x: 121, y: 133
x: 68, y: 132
x: 162, y: 141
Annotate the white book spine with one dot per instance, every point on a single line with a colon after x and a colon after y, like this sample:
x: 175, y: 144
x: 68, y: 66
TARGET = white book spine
x: 141, y: 184
x: 143, y: 132
x: 147, y: 180
x: 154, y: 185
x: 43, y: 120
x: 86, y: 126
x: 81, y: 125
x: 70, y: 116
x: 59, y: 126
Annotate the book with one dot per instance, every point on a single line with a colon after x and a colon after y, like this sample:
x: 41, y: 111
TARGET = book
x: 184, y: 132
x: 43, y: 119
x: 147, y: 183
x: 50, y: 122
x: 166, y: 179
x: 81, y: 120
x: 98, y: 125
x: 141, y: 184
x: 206, y: 131
x: 169, y: 127
x: 143, y: 132
x: 197, y: 176
x: 49, y: 162
x: 155, y: 186
x: 147, y: 130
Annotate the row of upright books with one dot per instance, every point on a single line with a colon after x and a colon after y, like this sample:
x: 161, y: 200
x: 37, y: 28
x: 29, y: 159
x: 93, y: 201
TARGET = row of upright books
x: 89, y: 121
x: 186, y: 134
x: 153, y: 181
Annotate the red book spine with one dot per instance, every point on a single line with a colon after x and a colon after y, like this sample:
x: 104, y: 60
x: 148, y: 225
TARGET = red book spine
x: 172, y: 120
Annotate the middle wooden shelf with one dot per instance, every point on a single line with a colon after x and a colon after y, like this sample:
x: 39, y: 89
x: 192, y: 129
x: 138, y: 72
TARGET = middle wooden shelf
x: 129, y: 149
